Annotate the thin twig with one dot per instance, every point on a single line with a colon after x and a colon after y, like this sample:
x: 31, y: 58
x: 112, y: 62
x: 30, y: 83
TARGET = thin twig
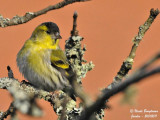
x: 116, y: 86
x: 74, y: 31
x: 155, y: 58
x: 16, y: 20
x: 10, y: 72
x: 76, y: 62
x: 127, y: 64
x: 136, y: 77
x: 64, y: 105
x: 10, y: 111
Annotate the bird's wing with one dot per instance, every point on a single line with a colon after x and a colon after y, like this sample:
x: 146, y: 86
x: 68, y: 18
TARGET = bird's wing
x: 59, y: 61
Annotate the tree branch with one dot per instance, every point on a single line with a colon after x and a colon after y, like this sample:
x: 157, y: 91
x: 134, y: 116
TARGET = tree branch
x: 74, y: 53
x: 139, y: 75
x: 11, y: 111
x: 16, y: 20
x: 127, y: 64
x: 10, y: 72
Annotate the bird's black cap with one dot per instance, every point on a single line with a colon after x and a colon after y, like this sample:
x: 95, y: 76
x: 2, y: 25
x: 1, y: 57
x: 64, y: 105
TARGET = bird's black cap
x: 52, y: 27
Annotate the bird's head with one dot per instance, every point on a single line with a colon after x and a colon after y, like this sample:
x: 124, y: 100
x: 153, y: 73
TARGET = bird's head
x: 46, y: 31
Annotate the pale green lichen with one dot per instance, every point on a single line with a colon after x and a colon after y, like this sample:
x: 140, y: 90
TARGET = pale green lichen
x: 74, y: 53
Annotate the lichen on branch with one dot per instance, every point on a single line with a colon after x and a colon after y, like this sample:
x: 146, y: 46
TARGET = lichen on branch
x: 128, y: 62
x: 16, y: 20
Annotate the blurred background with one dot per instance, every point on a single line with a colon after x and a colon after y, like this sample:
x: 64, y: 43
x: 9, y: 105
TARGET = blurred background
x: 108, y: 27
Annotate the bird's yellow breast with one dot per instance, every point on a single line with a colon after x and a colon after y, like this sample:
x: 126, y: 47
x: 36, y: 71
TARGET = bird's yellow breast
x: 39, y: 53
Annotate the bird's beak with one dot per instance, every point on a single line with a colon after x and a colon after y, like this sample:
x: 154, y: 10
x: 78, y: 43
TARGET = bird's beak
x: 59, y: 37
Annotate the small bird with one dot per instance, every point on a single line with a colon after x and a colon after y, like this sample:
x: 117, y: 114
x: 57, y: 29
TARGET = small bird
x: 42, y: 61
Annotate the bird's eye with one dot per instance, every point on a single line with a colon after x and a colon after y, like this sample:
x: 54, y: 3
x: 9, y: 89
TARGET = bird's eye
x: 57, y: 33
x: 48, y: 32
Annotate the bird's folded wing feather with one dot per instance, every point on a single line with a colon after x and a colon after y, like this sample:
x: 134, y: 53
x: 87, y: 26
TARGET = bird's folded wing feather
x: 59, y: 61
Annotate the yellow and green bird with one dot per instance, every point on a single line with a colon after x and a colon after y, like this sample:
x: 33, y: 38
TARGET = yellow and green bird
x: 42, y: 61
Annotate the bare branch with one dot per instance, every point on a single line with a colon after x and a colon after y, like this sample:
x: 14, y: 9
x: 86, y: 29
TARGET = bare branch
x: 11, y: 110
x: 139, y: 75
x: 63, y: 105
x: 127, y: 64
x: 74, y: 32
x: 10, y: 72
x: 156, y: 57
x: 16, y: 20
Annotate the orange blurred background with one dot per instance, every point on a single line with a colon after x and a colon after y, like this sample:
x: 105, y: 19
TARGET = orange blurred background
x: 108, y: 27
